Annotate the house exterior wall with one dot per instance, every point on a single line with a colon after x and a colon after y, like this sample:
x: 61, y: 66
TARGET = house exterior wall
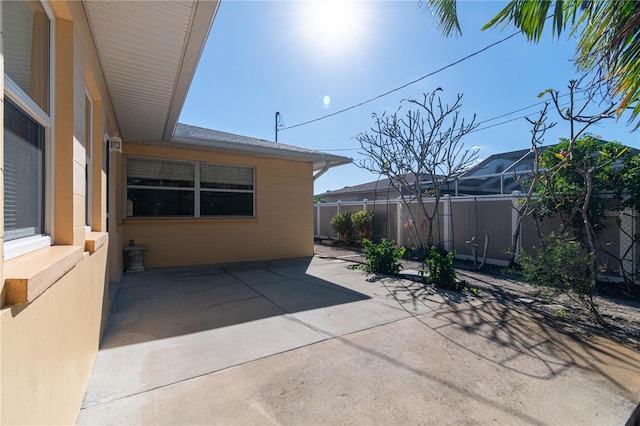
x: 49, y: 346
x: 282, y: 226
x: 49, y: 341
x: 116, y: 234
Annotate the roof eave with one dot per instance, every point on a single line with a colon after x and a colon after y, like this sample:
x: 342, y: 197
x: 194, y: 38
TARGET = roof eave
x: 147, y: 79
x: 202, y: 22
x: 318, y: 159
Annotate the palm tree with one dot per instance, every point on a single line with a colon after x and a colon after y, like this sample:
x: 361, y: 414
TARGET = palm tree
x: 606, y: 31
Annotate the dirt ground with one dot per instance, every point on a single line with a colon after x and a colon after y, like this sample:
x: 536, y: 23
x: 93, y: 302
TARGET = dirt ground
x: 621, y: 311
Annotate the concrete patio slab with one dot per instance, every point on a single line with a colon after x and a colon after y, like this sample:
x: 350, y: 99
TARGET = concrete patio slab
x: 326, y: 345
x: 339, y: 320
x: 179, y: 323
x: 128, y: 369
x: 387, y: 290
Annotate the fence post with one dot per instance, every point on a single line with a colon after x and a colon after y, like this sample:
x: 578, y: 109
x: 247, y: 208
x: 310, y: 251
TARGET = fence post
x: 399, y: 224
x: 514, y: 224
x: 627, y: 220
x: 447, y: 223
x: 316, y: 208
x: 364, y: 204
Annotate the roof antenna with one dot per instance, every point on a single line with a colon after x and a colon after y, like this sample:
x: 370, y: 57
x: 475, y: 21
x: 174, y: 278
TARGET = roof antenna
x: 279, y: 124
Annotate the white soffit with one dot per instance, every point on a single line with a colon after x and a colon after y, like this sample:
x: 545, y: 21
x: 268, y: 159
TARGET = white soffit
x: 148, y: 51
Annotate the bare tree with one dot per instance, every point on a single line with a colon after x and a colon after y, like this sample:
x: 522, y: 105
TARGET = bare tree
x: 419, y: 152
x: 525, y: 207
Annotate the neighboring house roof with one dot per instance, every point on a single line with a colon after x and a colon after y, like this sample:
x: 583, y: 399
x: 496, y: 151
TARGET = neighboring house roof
x: 201, y: 139
x: 149, y: 52
x: 382, y: 187
x: 497, y: 173
x: 378, y: 185
x: 494, y: 175
x: 499, y: 163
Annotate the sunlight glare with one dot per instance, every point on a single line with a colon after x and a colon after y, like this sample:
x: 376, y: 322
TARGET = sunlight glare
x: 334, y: 25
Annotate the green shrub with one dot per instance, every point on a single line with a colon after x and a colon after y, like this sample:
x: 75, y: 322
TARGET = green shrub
x: 343, y: 225
x: 562, y: 267
x: 441, y: 271
x: 363, y: 224
x: 382, y: 258
x: 416, y: 253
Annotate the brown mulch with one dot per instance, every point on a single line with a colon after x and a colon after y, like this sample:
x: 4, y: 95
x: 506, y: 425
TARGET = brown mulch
x: 620, y: 309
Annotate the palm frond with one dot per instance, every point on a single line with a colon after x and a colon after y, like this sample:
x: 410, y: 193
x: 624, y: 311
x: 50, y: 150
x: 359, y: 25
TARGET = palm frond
x: 446, y: 14
x: 530, y: 16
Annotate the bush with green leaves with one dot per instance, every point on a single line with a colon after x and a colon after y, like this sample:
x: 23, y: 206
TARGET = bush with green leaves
x: 363, y: 224
x: 382, y: 258
x: 574, y: 192
x: 343, y: 225
x: 441, y: 271
x: 418, y: 253
x: 562, y: 267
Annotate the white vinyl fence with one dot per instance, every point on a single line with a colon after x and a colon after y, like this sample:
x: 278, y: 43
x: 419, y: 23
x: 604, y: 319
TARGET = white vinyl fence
x: 466, y: 220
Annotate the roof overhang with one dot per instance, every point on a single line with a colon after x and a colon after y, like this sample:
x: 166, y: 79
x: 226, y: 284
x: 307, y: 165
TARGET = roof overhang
x: 201, y: 139
x: 148, y: 51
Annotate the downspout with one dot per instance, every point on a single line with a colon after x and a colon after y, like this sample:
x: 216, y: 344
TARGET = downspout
x: 322, y: 170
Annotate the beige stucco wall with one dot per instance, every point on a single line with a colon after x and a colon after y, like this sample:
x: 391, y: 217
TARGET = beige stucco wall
x: 48, y: 346
x: 282, y: 228
x: 116, y: 235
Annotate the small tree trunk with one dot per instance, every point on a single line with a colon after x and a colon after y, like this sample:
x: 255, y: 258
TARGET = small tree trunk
x: 588, y: 228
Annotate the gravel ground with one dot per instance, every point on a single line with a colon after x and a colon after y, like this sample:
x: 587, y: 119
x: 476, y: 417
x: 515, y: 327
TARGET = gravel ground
x: 621, y: 311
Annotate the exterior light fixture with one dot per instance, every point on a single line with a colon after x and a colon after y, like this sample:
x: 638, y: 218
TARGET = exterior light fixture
x: 115, y: 142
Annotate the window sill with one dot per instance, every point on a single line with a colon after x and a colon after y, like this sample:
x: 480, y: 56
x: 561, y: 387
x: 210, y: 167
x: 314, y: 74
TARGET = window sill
x: 191, y: 220
x: 22, y: 246
x: 95, y: 240
x: 28, y: 276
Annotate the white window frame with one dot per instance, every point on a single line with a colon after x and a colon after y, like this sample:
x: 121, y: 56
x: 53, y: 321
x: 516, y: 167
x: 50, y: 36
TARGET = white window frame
x: 196, y: 190
x: 12, y: 91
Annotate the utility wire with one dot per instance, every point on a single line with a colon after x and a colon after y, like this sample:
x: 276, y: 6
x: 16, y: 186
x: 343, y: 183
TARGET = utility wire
x: 404, y: 85
x: 531, y: 106
x: 513, y: 112
x: 516, y: 118
x: 482, y: 122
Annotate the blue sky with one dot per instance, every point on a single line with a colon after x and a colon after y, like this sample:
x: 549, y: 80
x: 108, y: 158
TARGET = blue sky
x: 286, y: 56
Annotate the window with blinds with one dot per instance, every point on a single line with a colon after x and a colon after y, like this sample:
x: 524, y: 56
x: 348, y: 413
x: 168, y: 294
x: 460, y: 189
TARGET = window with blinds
x: 219, y: 176
x: 171, y: 188
x: 226, y: 190
x: 155, y: 172
x: 27, y: 50
x: 24, y: 165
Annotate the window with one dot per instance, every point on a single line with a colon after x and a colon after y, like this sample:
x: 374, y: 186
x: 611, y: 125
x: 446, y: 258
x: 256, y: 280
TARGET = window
x: 24, y: 162
x: 27, y: 49
x: 169, y: 188
x: 226, y: 190
x: 88, y: 169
